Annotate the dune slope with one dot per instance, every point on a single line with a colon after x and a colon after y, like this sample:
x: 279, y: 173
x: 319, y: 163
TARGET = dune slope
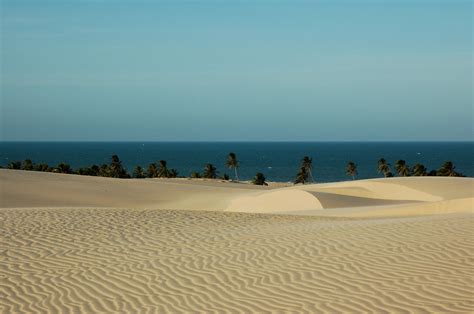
x: 40, y: 189
x: 361, y: 198
x: 393, y: 197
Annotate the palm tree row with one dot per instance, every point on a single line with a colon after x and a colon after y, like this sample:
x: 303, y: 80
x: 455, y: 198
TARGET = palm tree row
x: 402, y: 169
x: 155, y: 171
x: 304, y: 174
x: 115, y: 169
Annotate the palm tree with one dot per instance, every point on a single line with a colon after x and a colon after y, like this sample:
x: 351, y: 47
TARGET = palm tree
x: 210, y: 172
x: 402, y: 168
x: 233, y: 163
x: 195, y: 175
x: 447, y: 170
x: 138, y: 172
x: 351, y: 169
x: 383, y: 167
x: 41, y: 167
x: 302, y: 176
x: 152, y: 171
x: 104, y: 170
x: 432, y: 173
x: 27, y: 165
x: 95, y: 170
x: 84, y: 171
x: 14, y: 165
x: 64, y: 168
x: 163, y: 171
x: 307, y: 163
x: 419, y: 170
x: 116, y: 170
x: 259, y: 179
x: 173, y: 173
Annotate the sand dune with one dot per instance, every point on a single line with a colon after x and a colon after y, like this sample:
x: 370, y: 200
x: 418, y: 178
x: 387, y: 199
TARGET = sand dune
x: 367, y: 198
x: 275, y: 201
x: 372, y: 197
x: 98, y: 245
x: 40, y: 189
x: 86, y: 260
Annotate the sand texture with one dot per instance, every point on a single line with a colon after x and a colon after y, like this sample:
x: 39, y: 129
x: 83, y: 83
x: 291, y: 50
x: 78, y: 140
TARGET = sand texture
x: 71, y: 244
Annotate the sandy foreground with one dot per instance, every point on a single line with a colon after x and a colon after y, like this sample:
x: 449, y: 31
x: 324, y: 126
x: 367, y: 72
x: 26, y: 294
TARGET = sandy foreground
x: 99, y: 245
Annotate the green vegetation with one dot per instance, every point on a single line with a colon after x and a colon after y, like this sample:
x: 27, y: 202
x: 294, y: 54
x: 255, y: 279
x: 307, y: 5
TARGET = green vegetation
x: 305, y: 174
x: 41, y: 167
x: 259, y: 179
x: 138, y: 172
x: 172, y: 173
x: 195, y: 175
x: 27, y: 165
x: 152, y: 171
x: 14, y: 165
x: 351, y: 169
x: 233, y: 163
x: 419, y: 170
x: 87, y: 171
x: 115, y: 169
x: 163, y: 171
x: 63, y: 168
x: 447, y: 170
x: 160, y: 171
x: 210, y: 172
x: 402, y: 168
x: 384, y: 167
x: 307, y: 163
x: 302, y: 176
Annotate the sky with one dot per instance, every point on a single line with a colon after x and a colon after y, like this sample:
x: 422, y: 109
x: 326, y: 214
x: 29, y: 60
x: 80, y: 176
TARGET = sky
x: 261, y: 70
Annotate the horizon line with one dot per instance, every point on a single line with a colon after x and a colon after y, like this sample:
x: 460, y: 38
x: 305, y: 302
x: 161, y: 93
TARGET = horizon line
x: 237, y: 141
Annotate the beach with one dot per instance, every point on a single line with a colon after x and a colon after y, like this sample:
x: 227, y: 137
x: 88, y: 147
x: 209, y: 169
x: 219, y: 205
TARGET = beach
x: 88, y: 244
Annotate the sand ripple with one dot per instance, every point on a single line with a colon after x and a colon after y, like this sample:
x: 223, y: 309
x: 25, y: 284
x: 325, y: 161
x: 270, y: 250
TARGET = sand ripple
x: 147, y: 261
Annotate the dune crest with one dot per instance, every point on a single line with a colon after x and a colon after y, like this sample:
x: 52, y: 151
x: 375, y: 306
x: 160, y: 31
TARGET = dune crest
x: 361, y: 198
x: 415, y: 196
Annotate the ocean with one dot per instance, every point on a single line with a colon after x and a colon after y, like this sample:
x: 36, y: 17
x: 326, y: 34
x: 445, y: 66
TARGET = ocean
x: 278, y: 161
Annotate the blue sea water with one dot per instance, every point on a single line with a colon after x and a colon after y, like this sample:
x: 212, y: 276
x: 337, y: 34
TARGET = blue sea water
x: 278, y: 161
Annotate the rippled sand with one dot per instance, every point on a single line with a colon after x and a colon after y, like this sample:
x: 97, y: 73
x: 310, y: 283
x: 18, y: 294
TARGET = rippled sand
x: 138, y: 261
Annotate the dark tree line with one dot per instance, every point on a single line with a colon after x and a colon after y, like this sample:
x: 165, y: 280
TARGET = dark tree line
x: 115, y: 169
x: 402, y: 169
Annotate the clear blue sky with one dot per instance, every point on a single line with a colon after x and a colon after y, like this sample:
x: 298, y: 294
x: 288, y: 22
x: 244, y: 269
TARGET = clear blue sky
x: 236, y: 70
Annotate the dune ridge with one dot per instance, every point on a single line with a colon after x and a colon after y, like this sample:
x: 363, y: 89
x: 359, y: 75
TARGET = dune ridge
x: 367, y: 198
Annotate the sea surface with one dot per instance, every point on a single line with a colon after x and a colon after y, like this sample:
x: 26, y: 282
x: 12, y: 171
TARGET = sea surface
x: 278, y: 161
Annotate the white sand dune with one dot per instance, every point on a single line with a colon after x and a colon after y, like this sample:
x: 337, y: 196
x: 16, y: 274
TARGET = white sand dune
x: 368, y: 198
x: 40, y: 189
x: 97, y: 245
